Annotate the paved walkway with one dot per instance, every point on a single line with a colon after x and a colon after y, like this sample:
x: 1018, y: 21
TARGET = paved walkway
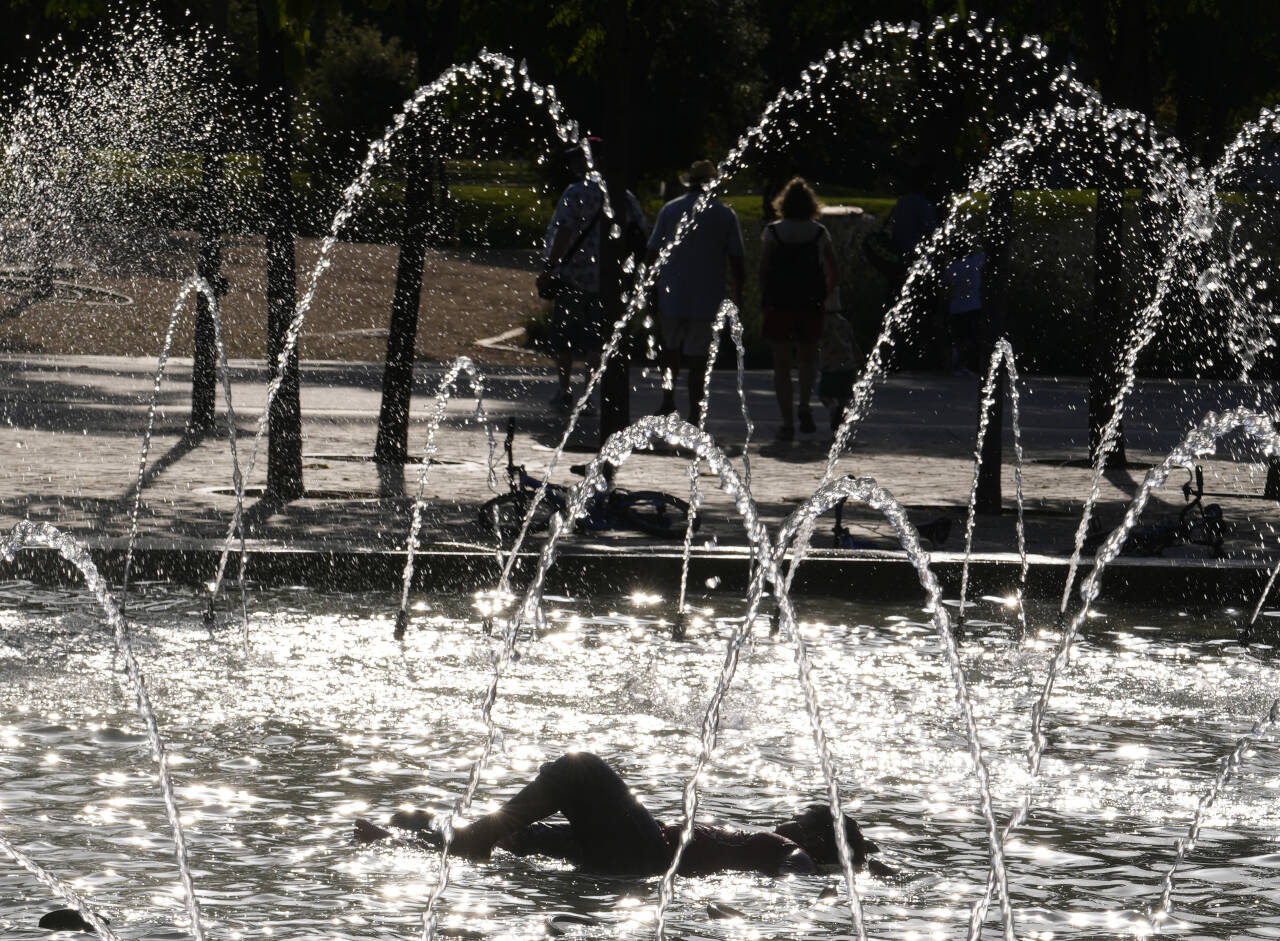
x: 72, y: 431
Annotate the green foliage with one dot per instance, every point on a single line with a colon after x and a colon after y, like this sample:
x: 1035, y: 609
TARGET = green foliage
x: 73, y: 12
x: 353, y: 87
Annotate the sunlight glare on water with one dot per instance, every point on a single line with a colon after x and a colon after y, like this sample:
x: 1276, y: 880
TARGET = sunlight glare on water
x: 327, y: 718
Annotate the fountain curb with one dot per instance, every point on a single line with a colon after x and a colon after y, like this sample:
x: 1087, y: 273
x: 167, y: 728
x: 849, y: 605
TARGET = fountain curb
x: 858, y: 574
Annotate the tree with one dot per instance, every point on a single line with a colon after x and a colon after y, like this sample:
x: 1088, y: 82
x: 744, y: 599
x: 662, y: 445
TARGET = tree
x: 204, y: 359
x: 284, y: 443
x: 392, y: 446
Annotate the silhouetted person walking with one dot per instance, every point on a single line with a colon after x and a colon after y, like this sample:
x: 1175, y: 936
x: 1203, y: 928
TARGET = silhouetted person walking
x: 691, y: 285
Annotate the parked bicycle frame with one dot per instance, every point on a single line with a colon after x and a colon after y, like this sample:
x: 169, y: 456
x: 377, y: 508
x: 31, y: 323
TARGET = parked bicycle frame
x: 649, y: 511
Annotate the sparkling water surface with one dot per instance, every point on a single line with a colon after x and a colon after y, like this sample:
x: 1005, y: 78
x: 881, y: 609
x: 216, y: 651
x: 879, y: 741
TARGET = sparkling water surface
x: 325, y: 718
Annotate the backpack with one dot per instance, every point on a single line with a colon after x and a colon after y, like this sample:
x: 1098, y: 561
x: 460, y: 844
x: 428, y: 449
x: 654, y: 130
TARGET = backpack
x: 794, y: 279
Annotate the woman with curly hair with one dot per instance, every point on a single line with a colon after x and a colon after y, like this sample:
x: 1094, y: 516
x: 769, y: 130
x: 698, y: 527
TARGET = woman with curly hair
x: 797, y: 275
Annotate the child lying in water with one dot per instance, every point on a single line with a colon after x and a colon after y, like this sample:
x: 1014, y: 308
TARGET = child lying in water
x: 610, y: 831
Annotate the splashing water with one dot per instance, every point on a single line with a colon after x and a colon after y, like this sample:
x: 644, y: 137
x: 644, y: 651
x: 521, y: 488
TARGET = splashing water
x: 447, y: 388
x: 1231, y: 284
x: 866, y: 490
x: 192, y: 285
x: 1003, y: 352
x: 1200, y: 441
x: 726, y: 317
x: 615, y: 452
x: 28, y: 533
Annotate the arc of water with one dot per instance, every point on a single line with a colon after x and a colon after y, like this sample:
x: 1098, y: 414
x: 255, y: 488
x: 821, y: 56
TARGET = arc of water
x: 990, y: 175
x: 193, y: 284
x: 866, y: 490
x: 994, y: 171
x: 757, y: 136
x: 59, y: 887
x: 447, y: 388
x: 1228, y: 766
x: 1003, y: 351
x: 615, y: 452
x: 28, y: 533
x: 511, y: 77
x: 1200, y: 441
x: 726, y: 317
x: 1196, y: 226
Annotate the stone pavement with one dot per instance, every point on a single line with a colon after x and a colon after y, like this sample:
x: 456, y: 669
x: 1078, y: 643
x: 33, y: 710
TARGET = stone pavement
x: 72, y: 432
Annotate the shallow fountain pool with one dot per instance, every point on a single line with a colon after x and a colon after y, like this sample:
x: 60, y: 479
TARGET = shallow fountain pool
x: 325, y: 718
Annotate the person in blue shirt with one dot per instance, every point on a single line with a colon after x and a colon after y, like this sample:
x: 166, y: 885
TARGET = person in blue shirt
x: 691, y: 284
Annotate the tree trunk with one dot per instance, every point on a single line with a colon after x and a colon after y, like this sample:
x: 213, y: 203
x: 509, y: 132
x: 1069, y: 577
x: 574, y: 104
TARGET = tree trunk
x: 1106, y: 314
x: 392, y: 445
x: 284, y: 443
x: 1126, y: 79
x: 995, y: 304
x: 204, y: 368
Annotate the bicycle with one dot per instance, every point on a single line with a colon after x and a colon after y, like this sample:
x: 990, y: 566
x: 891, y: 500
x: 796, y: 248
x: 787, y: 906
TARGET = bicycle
x: 935, y: 531
x: 1196, y: 525
x: 651, y: 512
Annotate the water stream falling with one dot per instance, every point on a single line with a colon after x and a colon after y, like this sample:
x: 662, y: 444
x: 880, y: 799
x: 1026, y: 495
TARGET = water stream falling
x: 1195, y: 227
x: 27, y: 534
x: 866, y: 490
x: 1199, y: 442
x: 511, y: 77
x: 60, y: 888
x: 447, y: 388
x: 193, y: 285
x: 1003, y: 352
x: 1265, y: 594
x: 726, y: 319
x: 1228, y: 766
x: 999, y: 170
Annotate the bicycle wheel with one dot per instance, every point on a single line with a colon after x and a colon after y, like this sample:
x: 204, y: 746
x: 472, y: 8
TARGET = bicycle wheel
x: 504, y: 515
x: 653, y: 512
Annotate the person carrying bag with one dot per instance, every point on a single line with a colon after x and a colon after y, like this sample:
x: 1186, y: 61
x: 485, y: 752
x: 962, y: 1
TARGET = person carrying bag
x: 571, y: 272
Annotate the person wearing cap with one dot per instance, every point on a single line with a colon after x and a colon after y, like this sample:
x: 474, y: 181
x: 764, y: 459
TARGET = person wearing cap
x: 691, y: 282
x: 608, y: 830
x: 579, y: 324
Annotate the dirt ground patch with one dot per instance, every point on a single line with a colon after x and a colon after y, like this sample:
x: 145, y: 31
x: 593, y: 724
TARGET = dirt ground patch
x: 466, y: 296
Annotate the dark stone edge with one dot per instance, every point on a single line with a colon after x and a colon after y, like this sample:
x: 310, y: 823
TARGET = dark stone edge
x: 863, y: 575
